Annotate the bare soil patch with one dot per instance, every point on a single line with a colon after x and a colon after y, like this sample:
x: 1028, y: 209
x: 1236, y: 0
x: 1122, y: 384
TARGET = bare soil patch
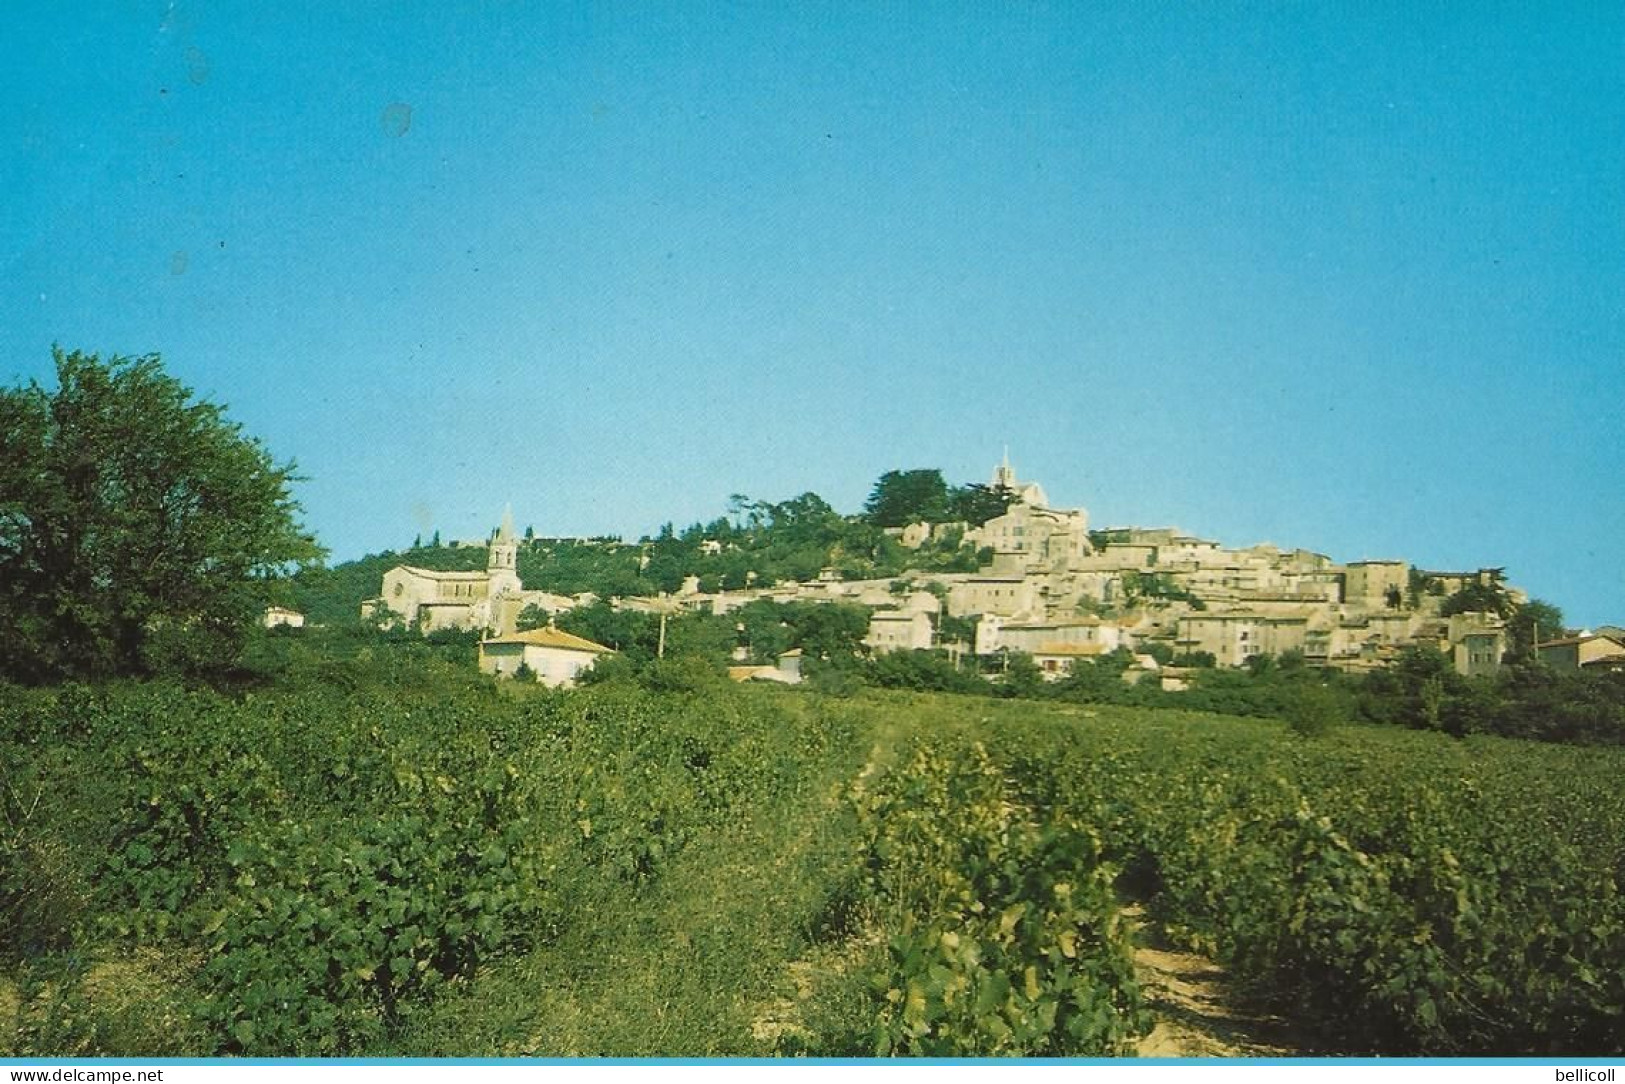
x: 1198, y: 1014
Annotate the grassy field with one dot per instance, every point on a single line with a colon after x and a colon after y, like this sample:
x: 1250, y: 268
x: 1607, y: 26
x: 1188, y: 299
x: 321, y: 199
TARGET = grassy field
x: 373, y: 857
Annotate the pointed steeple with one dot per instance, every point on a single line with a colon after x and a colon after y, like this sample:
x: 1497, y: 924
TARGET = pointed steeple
x: 505, y: 531
x: 1004, y: 474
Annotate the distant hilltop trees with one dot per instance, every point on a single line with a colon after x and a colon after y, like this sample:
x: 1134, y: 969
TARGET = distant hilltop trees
x: 903, y: 497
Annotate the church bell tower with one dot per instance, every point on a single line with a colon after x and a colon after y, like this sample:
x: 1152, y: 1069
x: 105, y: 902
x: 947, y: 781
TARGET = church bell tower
x: 503, y: 563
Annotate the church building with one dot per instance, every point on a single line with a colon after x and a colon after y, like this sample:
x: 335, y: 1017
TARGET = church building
x: 428, y: 600
x: 1037, y: 537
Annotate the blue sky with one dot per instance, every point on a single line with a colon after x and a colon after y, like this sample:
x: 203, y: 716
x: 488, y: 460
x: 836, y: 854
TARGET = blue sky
x: 1349, y: 277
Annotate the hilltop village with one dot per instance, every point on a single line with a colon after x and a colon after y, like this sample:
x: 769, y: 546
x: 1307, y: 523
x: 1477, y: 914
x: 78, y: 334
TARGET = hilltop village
x: 1048, y: 587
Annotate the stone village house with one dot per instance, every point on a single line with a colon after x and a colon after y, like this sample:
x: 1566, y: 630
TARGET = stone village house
x: 555, y: 657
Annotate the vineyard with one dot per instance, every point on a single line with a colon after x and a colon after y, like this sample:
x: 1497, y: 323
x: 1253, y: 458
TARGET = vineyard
x: 391, y: 856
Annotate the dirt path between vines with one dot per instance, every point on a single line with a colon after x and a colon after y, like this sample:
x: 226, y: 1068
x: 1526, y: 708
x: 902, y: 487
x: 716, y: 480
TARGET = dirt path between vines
x: 1197, y: 1014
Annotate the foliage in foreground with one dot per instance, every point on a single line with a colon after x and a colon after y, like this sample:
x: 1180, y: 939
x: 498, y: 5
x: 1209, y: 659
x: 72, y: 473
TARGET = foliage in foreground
x: 1396, y: 892
x: 314, y: 865
x: 139, y: 528
x: 387, y: 854
x: 1421, y: 691
x: 1007, y: 938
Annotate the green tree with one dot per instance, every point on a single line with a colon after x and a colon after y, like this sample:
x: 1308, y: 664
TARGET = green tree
x: 1156, y: 585
x: 921, y: 670
x: 1487, y: 594
x: 749, y: 515
x: 139, y: 527
x: 976, y: 504
x: 761, y: 627
x: 1313, y: 710
x: 806, y: 520
x: 1535, y: 619
x: 532, y: 617
x: 635, y: 635
x: 828, y: 629
x: 701, y: 635
x: 1163, y: 653
x: 951, y: 628
x: 1021, y: 675
x: 901, y: 497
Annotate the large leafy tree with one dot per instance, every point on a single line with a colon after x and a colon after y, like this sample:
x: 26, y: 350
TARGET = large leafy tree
x: 1487, y: 594
x: 901, y: 497
x: 139, y: 527
x: 1535, y: 619
x: 976, y: 504
x: 807, y: 519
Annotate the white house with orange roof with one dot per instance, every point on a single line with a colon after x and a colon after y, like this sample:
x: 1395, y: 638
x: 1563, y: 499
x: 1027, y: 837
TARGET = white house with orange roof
x: 555, y: 657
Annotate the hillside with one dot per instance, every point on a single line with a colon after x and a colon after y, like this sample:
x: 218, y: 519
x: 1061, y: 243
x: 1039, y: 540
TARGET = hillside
x: 793, y: 540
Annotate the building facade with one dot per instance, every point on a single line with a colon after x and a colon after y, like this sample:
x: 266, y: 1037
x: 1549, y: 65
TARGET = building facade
x: 552, y: 657
x: 899, y: 630
x: 430, y: 600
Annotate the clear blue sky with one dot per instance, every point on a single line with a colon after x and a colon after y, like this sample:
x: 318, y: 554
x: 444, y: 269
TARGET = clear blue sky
x: 1342, y: 276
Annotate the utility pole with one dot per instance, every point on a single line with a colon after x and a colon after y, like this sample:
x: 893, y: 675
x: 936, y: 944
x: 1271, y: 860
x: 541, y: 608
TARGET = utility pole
x: 665, y: 606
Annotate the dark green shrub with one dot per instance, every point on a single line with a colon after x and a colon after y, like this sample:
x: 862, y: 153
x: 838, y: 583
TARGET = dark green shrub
x: 1313, y: 710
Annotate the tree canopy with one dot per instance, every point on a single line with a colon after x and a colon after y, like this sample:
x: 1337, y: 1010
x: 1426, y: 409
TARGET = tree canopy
x: 138, y: 526
x: 901, y: 497
x: 976, y: 504
x: 1534, y: 621
x: 1487, y: 594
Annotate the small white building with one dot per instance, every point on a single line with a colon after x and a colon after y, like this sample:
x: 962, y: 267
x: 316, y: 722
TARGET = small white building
x: 899, y: 630
x: 914, y: 535
x: 556, y: 657
x: 277, y: 617
x: 1043, y: 537
x: 787, y: 672
x: 1056, y: 660
x: 923, y: 602
x: 994, y: 634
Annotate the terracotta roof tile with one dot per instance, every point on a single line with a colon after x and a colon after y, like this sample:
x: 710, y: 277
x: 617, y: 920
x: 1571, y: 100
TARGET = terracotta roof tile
x: 550, y: 637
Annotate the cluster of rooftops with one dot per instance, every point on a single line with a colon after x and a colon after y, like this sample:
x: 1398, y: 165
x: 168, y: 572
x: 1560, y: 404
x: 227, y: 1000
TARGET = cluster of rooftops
x: 1051, y: 590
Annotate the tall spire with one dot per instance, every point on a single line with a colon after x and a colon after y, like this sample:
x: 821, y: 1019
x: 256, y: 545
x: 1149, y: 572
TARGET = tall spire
x: 1004, y: 474
x: 505, y: 532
